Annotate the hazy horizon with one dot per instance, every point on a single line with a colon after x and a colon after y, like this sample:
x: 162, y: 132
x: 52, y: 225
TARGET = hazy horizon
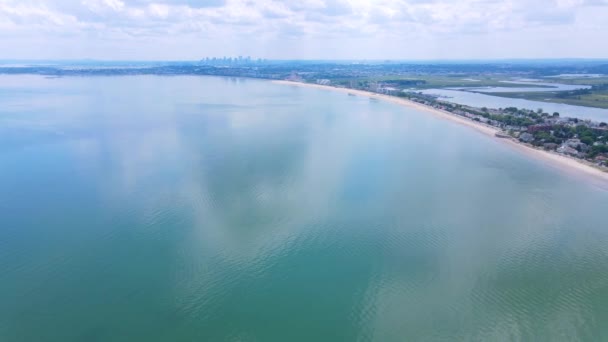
x: 312, y: 60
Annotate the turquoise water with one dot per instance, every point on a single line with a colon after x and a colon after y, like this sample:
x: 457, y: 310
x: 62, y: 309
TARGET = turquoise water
x: 217, y: 209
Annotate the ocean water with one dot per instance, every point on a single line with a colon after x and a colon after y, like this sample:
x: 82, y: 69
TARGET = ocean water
x: 220, y: 209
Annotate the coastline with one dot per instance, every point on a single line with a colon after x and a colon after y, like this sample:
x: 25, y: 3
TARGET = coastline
x: 564, y: 163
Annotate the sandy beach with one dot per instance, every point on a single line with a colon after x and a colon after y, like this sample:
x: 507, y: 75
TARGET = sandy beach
x: 567, y: 164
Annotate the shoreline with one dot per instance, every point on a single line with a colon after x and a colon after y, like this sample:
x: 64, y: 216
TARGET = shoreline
x: 564, y: 163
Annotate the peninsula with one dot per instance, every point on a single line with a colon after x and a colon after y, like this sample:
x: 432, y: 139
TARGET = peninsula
x: 567, y: 143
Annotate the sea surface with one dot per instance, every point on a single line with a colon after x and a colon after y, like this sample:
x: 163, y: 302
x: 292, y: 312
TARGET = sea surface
x: 148, y: 208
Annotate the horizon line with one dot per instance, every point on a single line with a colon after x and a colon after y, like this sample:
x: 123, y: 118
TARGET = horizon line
x: 4, y: 60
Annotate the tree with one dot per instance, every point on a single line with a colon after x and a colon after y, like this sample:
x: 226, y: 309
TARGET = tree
x: 603, y: 124
x: 556, y: 115
x: 587, y: 140
x: 539, y: 110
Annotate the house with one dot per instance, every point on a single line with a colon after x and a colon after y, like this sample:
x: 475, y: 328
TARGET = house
x: 513, y: 128
x: 526, y: 137
x: 550, y: 146
x: 564, y: 149
x: 387, y: 90
x: 536, y: 128
x: 577, y: 144
x: 573, y: 143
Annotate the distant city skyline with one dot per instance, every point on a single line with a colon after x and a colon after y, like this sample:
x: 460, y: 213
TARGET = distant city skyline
x: 307, y: 29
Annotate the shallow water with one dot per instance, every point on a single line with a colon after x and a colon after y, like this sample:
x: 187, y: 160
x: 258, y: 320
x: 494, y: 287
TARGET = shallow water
x: 217, y: 209
x: 490, y: 101
x: 545, y: 87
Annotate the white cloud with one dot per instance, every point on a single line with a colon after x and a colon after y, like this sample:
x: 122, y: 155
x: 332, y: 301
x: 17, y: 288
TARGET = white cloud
x: 189, y: 29
x: 104, y: 5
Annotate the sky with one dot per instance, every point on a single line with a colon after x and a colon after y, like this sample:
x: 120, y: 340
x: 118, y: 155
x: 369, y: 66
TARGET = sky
x: 303, y: 29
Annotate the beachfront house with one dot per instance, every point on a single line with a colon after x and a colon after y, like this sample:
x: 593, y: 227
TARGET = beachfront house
x: 526, y: 137
x: 567, y: 150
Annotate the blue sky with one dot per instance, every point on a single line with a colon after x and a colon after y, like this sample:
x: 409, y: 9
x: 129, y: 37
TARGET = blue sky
x: 304, y: 29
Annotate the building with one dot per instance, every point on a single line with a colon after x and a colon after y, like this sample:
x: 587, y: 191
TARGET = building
x: 574, y: 143
x: 564, y: 149
x: 387, y: 90
x: 526, y: 137
x: 537, y: 128
x: 550, y: 146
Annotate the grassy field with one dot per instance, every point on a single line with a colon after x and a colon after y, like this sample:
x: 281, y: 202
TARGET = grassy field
x: 596, y: 99
x: 578, y: 80
x: 471, y: 81
x: 441, y: 81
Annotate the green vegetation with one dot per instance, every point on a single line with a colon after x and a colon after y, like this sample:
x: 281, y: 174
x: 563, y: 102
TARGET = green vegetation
x: 596, y: 97
x: 559, y: 133
x: 430, y: 81
x: 577, y: 80
x: 591, y: 98
x: 582, y: 139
